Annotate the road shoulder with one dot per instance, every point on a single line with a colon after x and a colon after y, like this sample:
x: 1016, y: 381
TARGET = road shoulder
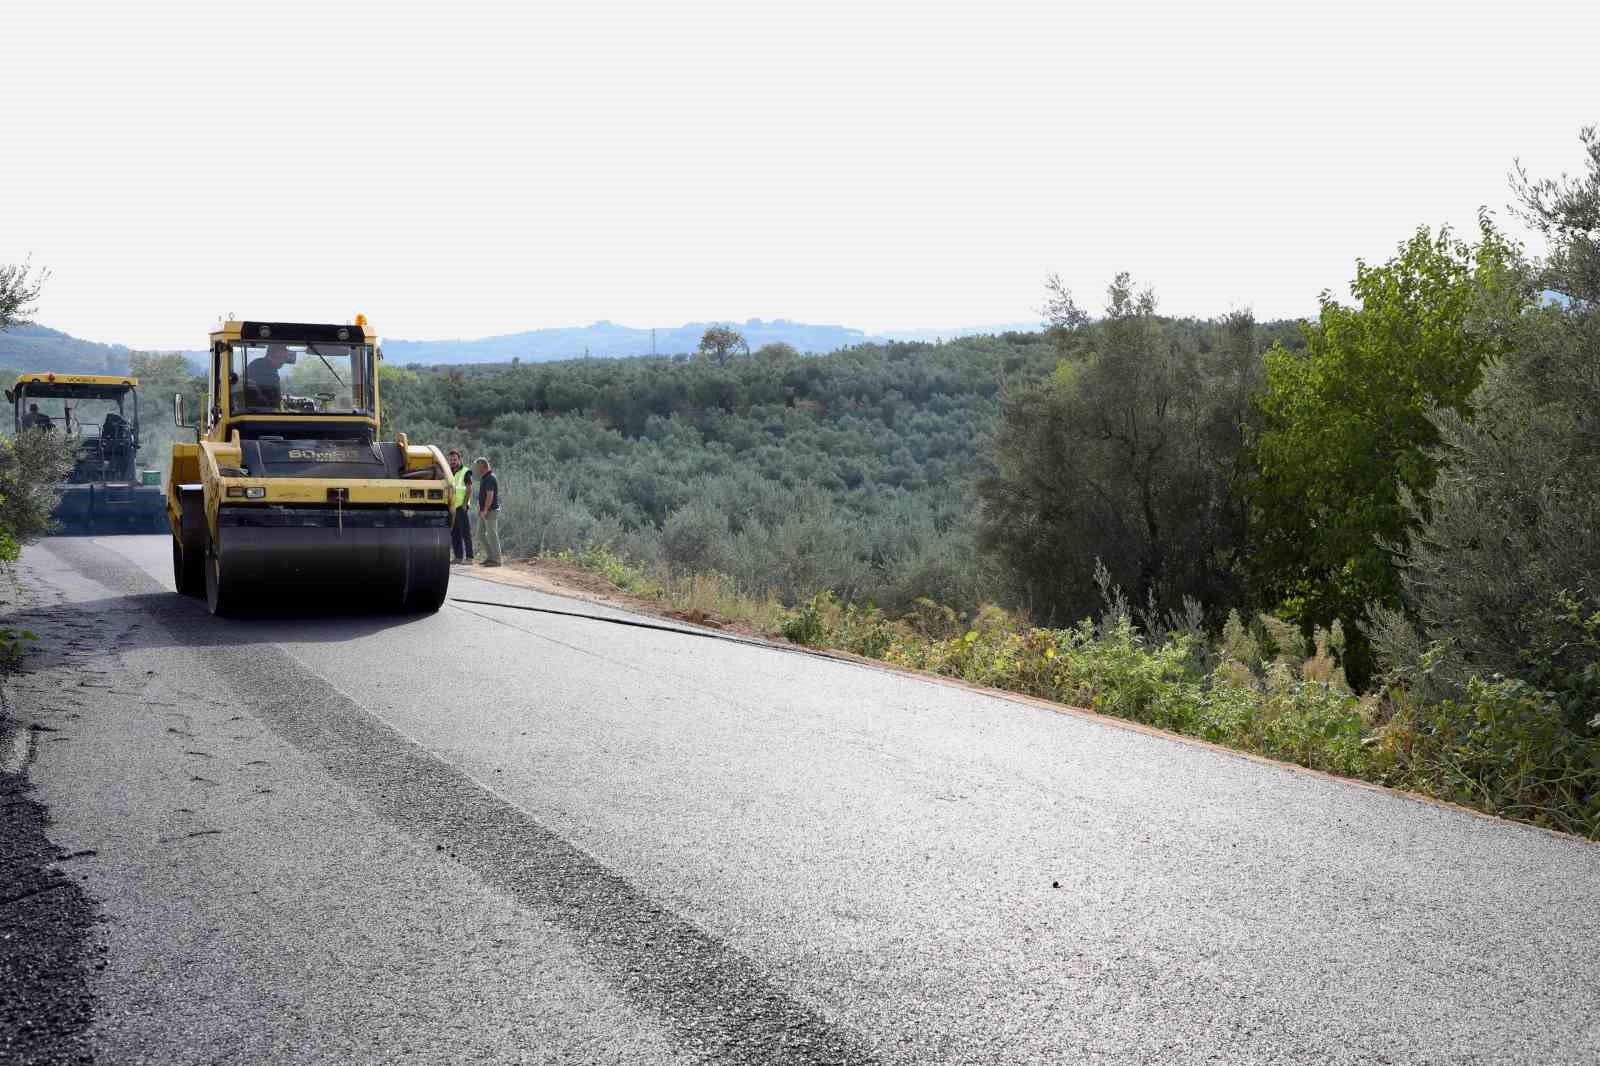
x: 49, y: 936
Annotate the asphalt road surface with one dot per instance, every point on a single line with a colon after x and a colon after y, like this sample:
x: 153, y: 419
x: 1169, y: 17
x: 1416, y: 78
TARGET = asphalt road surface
x: 492, y: 835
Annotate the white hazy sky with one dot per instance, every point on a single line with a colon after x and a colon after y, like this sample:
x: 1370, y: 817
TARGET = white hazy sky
x: 461, y: 169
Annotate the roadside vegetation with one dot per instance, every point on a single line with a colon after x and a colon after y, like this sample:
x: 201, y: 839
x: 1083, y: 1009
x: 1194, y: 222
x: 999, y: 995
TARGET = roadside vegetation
x: 30, y: 464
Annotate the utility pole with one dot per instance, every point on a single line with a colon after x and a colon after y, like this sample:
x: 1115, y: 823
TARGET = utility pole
x: 652, y: 342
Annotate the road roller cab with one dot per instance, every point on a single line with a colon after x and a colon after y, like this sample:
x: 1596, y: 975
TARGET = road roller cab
x: 287, y: 487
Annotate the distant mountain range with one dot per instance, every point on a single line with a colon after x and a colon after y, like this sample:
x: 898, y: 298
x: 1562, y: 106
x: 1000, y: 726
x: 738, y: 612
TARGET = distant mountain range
x: 610, y: 340
x: 29, y: 346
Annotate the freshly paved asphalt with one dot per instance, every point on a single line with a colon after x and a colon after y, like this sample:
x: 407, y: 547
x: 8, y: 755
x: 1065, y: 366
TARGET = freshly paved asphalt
x: 492, y: 835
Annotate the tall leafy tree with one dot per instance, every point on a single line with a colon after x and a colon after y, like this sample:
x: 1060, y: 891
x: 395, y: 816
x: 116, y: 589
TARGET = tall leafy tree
x: 1346, y: 428
x: 20, y: 286
x: 1503, y: 573
x: 161, y: 377
x: 1566, y: 211
x: 1127, y: 455
x: 721, y: 343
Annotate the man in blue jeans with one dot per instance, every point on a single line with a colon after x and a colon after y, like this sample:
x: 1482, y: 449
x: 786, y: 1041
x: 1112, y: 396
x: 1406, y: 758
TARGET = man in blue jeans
x: 461, y: 502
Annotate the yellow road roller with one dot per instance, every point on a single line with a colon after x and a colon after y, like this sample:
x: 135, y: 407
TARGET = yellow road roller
x: 288, y: 495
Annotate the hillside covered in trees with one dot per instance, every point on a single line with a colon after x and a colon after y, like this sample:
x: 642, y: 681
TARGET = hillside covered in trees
x: 27, y: 346
x: 855, y: 471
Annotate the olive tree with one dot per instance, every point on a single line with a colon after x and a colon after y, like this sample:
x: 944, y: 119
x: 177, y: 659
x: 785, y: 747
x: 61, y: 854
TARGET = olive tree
x: 1347, y: 428
x: 20, y: 286
x: 1130, y: 455
x: 720, y: 343
x: 1503, y: 572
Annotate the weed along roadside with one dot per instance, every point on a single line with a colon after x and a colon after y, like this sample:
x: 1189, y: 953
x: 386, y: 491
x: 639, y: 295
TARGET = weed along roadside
x: 1258, y: 688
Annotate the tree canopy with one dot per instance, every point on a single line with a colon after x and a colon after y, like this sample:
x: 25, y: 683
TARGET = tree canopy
x: 20, y: 286
x: 1347, y: 431
x: 1127, y: 456
x: 721, y: 343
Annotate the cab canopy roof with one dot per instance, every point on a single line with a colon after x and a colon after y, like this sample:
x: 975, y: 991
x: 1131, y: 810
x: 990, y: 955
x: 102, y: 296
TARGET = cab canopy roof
x: 46, y: 385
x: 357, y: 332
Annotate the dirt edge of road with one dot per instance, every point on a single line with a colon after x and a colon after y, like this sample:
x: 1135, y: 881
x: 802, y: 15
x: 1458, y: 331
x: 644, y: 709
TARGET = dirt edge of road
x: 557, y: 578
x: 575, y: 583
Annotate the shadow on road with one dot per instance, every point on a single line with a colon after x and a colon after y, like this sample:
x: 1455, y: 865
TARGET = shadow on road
x: 185, y: 622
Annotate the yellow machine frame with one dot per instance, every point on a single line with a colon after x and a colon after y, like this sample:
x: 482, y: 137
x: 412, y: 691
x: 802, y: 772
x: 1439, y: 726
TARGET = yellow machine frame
x: 44, y: 377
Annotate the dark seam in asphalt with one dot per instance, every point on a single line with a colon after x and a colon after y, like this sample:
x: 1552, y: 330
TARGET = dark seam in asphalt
x: 749, y: 642
x: 621, y: 664
x: 716, y: 1000
x: 707, y: 634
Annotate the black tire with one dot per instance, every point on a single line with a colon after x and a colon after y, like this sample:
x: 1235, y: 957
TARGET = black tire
x: 425, y: 591
x: 189, y: 545
x: 188, y: 575
x: 222, y: 597
x: 427, y: 573
x: 426, y: 599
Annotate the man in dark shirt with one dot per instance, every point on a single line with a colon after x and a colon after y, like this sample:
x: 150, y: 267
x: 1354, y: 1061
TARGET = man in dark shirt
x: 36, y: 419
x: 262, y: 389
x: 488, y: 512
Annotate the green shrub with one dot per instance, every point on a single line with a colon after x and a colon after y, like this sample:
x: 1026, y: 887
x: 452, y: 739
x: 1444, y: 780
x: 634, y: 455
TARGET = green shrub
x: 30, y: 466
x: 1504, y: 747
x: 612, y: 567
x: 692, y: 539
x: 1125, y: 677
x: 808, y: 625
x: 863, y: 631
x: 13, y: 642
x: 1238, y: 644
x: 1313, y: 723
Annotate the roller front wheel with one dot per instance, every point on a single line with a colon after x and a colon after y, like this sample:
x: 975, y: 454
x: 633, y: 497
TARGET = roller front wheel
x: 222, y: 596
x: 188, y: 574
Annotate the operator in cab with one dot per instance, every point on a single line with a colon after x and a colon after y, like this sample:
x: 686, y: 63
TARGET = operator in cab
x: 262, y: 389
x: 36, y: 419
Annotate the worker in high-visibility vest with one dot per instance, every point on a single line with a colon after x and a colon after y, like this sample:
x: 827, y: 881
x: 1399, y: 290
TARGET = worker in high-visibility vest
x: 460, y: 498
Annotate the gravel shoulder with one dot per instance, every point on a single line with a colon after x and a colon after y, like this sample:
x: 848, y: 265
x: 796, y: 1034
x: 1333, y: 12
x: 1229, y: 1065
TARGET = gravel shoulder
x: 49, y: 937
